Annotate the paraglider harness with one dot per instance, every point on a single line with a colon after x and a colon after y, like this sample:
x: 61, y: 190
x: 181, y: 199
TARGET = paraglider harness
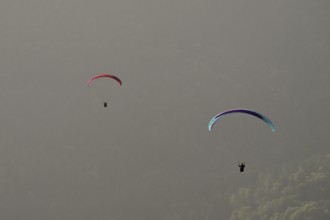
x: 241, y: 167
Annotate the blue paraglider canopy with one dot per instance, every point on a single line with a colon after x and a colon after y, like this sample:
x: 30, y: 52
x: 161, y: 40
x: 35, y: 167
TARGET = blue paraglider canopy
x: 246, y: 111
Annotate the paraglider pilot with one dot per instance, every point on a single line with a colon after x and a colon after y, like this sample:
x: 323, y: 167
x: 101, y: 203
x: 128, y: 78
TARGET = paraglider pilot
x: 241, y: 167
x: 105, y: 104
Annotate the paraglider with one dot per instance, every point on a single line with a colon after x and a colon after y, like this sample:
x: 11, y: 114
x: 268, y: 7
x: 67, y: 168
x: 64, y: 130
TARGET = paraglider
x: 90, y: 81
x: 245, y: 111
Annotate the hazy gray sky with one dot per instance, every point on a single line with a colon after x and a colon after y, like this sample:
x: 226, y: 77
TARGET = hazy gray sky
x: 149, y: 155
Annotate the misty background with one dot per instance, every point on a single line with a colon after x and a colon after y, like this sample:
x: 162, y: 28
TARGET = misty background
x: 149, y: 155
